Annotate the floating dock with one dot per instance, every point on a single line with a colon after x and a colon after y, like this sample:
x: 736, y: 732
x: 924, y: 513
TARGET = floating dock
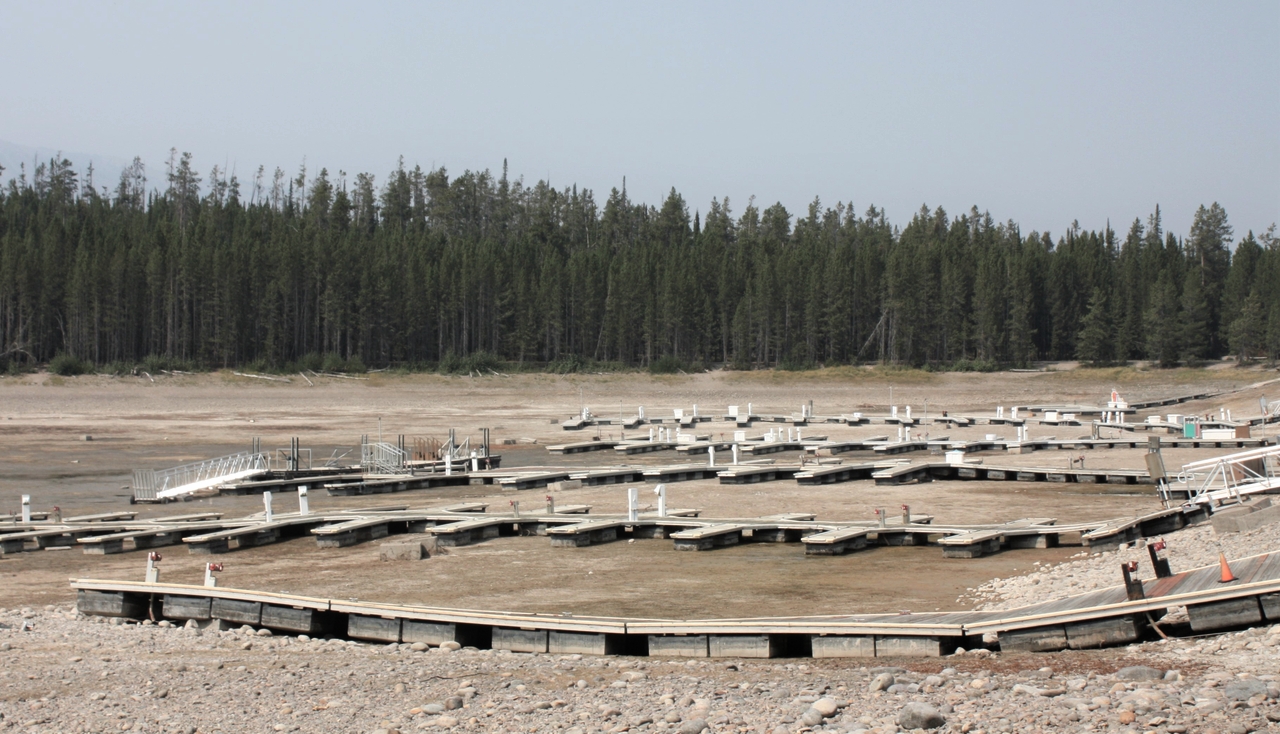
x: 1118, y: 615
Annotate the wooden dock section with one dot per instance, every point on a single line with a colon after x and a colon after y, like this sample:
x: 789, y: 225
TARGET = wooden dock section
x: 627, y: 448
x: 929, y: 471
x: 755, y: 473
x: 837, y: 473
x: 581, y: 447
x: 1100, y: 618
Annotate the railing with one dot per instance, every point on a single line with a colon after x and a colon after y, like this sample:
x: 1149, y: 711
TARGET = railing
x: 1231, y: 476
x: 148, y: 483
x: 383, y: 458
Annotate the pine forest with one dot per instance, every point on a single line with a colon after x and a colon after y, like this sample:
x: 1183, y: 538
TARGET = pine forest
x: 424, y: 271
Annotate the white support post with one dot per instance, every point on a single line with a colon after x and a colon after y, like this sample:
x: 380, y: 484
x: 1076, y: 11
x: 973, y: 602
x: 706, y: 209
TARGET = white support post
x: 304, y: 507
x: 711, y: 455
x: 880, y: 517
x: 908, y: 412
x: 735, y: 454
x: 651, y: 434
x: 209, y: 579
x: 551, y: 505
x: 153, y: 572
x: 266, y: 502
x: 633, y: 502
x: 475, y: 462
x: 893, y: 411
x: 448, y: 462
x: 749, y: 411
x: 695, y: 410
x: 642, y: 413
x: 26, y: 508
x: 798, y: 434
x: 661, y: 491
x: 515, y: 508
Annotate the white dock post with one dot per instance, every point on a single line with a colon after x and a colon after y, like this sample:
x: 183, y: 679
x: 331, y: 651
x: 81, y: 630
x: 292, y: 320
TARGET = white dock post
x: 475, y: 462
x: 209, y: 579
x: 551, y: 505
x: 153, y: 573
x: 661, y: 491
x: 906, y: 514
x: 735, y: 454
x: 304, y: 507
x: 749, y: 411
x: 515, y: 508
x: 448, y: 462
x: 695, y: 410
x: 641, y: 412
x: 880, y: 517
x: 711, y: 455
x: 26, y: 508
x: 1015, y: 412
x: 266, y: 502
x: 893, y: 411
x: 798, y: 433
x: 908, y: 412
x: 633, y: 501
x: 651, y: 434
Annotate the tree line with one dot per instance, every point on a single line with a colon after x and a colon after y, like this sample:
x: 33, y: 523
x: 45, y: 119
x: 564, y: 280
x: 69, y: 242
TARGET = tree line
x: 431, y: 271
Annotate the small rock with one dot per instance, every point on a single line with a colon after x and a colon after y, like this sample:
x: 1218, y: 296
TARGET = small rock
x: 1139, y: 672
x: 450, y: 645
x: 264, y: 632
x: 446, y: 722
x: 453, y: 703
x: 811, y: 718
x: 826, y: 706
x: 917, y: 715
x: 881, y: 682
x: 418, y: 646
x: 433, y: 708
x: 692, y: 726
x: 1243, y: 690
x: 1127, y: 717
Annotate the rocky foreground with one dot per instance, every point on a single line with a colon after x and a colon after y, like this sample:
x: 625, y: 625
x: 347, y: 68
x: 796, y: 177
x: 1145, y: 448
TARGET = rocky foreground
x: 62, y: 672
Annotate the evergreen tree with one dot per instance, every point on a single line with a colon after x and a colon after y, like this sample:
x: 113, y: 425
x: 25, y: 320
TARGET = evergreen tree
x: 1248, y: 330
x: 1164, y: 337
x: 1195, y: 343
x: 1095, y: 339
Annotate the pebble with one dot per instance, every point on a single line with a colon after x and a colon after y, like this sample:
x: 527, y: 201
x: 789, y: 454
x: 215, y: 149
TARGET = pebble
x: 693, y: 726
x: 916, y: 715
x: 881, y: 682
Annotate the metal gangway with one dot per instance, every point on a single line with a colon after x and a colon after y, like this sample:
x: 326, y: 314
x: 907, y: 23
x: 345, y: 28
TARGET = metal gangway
x: 1231, y: 477
x: 383, y: 458
x: 152, y: 485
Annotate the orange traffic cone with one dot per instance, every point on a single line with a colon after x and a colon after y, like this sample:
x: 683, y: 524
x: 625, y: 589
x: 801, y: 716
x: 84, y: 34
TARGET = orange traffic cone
x: 1226, y: 569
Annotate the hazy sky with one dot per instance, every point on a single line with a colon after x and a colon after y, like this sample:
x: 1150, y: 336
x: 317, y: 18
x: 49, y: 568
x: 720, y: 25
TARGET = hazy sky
x: 1039, y: 112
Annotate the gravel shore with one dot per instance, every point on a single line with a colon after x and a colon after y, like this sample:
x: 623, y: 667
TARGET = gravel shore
x: 63, y: 672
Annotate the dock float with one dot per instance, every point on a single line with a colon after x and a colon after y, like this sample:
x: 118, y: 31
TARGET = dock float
x: 1107, y: 617
x: 581, y: 447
